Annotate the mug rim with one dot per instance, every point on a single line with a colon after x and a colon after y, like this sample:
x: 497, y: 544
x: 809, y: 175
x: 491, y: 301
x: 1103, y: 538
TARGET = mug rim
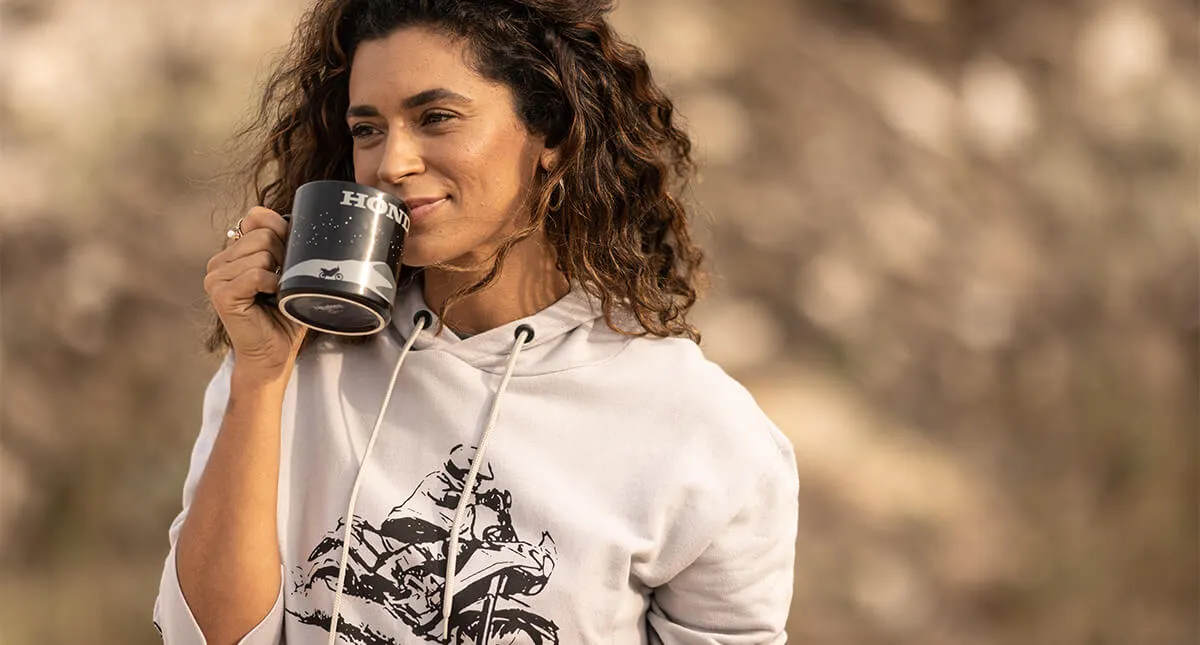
x: 379, y: 192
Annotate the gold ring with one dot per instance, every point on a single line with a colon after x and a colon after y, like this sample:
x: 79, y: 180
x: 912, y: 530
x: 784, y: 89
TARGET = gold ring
x: 236, y: 233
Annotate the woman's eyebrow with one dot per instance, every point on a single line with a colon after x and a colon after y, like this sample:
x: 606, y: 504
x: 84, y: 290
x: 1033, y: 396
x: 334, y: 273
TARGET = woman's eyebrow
x: 362, y: 111
x: 414, y: 101
x: 435, y: 94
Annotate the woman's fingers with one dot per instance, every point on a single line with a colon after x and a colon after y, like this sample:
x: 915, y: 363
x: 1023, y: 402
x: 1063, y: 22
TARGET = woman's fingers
x: 262, y: 218
x: 230, y: 271
x: 237, y: 294
x: 255, y: 281
x: 237, y: 274
x: 253, y: 242
x: 257, y: 253
x: 261, y: 227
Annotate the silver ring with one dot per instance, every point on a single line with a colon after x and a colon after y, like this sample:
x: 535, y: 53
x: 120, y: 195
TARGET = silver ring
x: 236, y: 233
x: 278, y: 270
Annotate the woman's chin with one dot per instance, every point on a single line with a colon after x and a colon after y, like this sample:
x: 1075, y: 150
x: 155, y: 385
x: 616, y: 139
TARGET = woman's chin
x: 431, y: 251
x: 418, y: 255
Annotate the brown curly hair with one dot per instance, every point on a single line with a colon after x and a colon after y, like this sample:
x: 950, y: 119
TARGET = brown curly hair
x: 620, y: 232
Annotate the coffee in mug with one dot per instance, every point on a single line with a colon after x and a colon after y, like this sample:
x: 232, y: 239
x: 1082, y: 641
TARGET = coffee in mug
x: 342, y: 261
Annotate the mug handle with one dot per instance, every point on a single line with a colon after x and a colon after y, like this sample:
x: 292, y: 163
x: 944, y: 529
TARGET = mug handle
x: 271, y: 299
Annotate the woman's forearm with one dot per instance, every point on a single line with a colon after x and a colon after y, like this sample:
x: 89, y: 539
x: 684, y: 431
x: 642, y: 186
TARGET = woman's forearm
x: 227, y: 554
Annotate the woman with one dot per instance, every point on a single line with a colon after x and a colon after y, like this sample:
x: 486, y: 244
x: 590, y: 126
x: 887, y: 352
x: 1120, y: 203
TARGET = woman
x: 627, y: 491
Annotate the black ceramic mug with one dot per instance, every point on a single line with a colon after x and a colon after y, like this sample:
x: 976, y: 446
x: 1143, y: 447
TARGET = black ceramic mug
x: 342, y: 261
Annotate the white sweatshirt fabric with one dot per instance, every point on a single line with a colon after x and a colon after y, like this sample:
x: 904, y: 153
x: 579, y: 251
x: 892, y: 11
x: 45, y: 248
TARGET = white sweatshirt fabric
x: 621, y: 491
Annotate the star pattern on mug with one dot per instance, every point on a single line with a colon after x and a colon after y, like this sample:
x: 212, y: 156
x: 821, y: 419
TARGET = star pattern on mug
x: 339, y: 230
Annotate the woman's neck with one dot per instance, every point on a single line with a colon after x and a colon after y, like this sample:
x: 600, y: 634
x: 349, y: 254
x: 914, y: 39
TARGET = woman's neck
x: 528, y: 282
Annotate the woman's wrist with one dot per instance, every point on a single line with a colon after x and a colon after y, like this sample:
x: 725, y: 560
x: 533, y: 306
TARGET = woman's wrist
x: 255, y: 381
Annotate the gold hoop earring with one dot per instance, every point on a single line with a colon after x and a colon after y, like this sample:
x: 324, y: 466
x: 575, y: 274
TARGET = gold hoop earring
x: 559, y: 189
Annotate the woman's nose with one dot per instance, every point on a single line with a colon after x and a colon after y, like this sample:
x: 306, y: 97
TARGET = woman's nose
x: 401, y: 158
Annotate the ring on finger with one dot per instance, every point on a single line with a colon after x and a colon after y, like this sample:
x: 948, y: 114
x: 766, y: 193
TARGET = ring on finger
x: 236, y: 233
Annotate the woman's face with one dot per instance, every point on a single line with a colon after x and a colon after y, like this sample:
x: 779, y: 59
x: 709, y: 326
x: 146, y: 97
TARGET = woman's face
x: 430, y: 130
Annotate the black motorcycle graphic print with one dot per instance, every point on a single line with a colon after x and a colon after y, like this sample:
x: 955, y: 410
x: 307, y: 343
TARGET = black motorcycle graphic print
x: 397, y: 570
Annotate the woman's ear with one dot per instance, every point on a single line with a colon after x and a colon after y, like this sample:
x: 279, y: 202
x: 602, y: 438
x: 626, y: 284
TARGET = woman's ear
x: 549, y: 159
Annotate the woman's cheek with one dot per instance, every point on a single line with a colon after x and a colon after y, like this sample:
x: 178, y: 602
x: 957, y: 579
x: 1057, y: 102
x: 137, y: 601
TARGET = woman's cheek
x: 363, y: 171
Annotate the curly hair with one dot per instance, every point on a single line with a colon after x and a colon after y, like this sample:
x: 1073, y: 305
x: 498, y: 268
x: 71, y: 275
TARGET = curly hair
x: 620, y: 232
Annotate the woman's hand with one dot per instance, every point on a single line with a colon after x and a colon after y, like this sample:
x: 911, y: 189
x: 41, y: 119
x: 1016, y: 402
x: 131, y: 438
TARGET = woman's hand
x: 264, y: 341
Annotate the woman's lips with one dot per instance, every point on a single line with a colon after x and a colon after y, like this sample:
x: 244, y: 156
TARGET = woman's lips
x: 423, y: 207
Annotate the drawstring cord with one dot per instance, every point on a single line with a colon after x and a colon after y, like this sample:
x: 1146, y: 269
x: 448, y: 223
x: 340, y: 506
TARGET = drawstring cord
x: 523, y: 335
x: 421, y: 321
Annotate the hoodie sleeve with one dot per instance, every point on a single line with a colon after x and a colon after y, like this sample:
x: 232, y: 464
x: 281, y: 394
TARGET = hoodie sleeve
x: 172, y: 616
x: 739, y: 590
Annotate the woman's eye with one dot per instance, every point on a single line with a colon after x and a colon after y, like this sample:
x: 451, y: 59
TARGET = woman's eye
x: 362, y: 131
x: 434, y: 118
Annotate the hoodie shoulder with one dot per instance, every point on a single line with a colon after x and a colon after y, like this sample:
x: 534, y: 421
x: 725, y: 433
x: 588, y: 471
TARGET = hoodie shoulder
x: 709, y: 410
x: 710, y: 449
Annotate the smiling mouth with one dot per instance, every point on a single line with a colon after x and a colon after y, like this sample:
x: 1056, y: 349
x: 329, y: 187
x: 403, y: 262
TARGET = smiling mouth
x: 424, y: 208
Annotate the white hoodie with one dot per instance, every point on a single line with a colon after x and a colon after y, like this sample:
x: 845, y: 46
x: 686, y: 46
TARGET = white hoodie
x: 629, y: 492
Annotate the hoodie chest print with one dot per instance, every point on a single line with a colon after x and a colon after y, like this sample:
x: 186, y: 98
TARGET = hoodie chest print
x: 397, y: 568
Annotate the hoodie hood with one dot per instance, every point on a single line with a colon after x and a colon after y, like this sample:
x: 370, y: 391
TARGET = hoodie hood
x: 568, y: 334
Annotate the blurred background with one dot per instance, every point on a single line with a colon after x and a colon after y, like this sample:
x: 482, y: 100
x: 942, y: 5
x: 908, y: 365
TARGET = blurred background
x: 955, y: 256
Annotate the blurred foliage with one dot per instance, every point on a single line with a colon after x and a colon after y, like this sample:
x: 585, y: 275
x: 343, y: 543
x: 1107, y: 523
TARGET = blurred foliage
x: 955, y: 250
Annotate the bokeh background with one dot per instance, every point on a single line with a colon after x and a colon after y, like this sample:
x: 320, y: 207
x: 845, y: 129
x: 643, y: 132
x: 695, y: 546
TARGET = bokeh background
x: 955, y: 251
